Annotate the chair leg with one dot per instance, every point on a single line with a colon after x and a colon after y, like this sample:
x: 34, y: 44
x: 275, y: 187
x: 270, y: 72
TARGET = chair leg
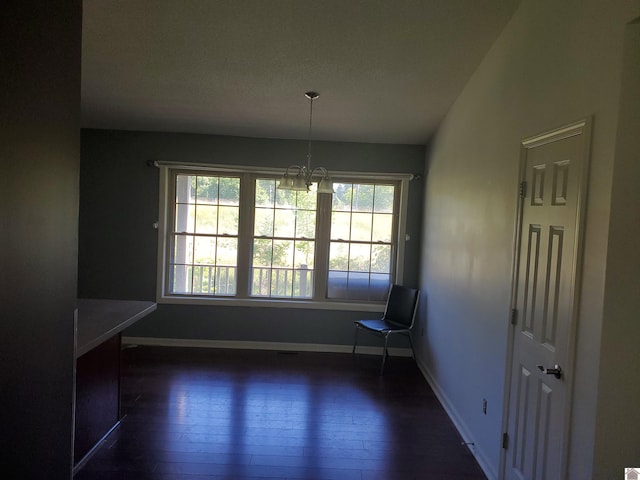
x: 413, y: 351
x: 384, y: 354
x: 355, y: 340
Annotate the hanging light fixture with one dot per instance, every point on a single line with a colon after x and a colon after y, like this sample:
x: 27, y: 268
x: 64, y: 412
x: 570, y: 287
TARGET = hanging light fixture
x: 303, y: 179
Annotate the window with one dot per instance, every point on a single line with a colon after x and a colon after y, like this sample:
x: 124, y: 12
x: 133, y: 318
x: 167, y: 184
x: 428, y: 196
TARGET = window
x: 283, y: 242
x: 231, y: 235
x: 361, y: 243
x: 204, y: 240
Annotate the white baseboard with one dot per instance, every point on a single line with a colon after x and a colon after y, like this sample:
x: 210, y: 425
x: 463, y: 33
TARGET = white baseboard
x: 486, y: 466
x: 278, y: 346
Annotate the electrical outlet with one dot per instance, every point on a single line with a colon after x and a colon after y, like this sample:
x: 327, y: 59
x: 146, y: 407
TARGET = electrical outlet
x: 484, y: 406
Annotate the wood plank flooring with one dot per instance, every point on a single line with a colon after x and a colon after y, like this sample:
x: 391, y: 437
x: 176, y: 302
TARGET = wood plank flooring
x: 196, y: 414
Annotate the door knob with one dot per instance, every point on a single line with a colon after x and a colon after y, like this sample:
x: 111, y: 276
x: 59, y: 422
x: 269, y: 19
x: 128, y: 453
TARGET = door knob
x: 556, y: 371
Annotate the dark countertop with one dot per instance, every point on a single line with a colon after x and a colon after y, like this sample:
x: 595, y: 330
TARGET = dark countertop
x: 99, y: 320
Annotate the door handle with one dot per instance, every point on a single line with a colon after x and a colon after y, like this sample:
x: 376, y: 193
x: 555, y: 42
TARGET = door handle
x: 556, y: 371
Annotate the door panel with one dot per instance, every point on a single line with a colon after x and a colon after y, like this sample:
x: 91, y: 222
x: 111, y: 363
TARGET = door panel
x: 546, y: 271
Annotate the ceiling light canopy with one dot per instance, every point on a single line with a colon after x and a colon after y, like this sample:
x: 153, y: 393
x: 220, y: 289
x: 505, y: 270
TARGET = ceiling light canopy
x: 303, y: 179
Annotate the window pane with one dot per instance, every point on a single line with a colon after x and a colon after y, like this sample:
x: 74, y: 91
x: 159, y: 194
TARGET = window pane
x: 185, y: 189
x: 229, y: 191
x: 303, y: 255
x: 359, y: 258
x: 362, y: 198
x: 285, y: 198
x: 339, y: 256
x: 262, y: 252
x: 342, y: 197
x: 260, y: 281
x: 358, y: 286
x: 202, y: 279
x: 228, y: 219
x: 361, y: 227
x: 207, y: 190
x: 341, y: 226
x: 263, y: 222
x: 282, y: 253
x: 205, y: 251
x: 381, y: 259
x: 337, y: 285
x: 185, y: 218
x: 206, y: 219
x: 265, y: 192
x: 382, y: 227
x: 227, y: 252
x: 182, y: 249
x: 384, y: 199
x: 379, y: 287
x: 306, y: 200
x: 281, y: 282
x: 181, y: 279
x: 225, y: 281
x: 284, y: 224
x: 303, y: 283
x: 305, y: 224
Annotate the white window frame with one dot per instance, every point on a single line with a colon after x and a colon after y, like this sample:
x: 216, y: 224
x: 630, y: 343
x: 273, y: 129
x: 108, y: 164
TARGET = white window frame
x: 246, y: 228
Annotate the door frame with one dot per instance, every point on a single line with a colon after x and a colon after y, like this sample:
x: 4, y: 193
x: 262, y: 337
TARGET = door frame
x: 580, y: 127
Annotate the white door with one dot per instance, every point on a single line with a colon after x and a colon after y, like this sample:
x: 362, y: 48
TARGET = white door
x: 547, y: 266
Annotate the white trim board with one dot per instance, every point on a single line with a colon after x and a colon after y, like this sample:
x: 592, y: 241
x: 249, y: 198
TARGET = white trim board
x: 277, y: 346
x: 459, y: 423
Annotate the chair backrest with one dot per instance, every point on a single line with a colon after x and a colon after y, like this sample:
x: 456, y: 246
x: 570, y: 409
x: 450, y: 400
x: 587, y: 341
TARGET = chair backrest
x: 401, y: 305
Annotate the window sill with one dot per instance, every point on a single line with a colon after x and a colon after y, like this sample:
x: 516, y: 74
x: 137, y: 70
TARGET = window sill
x: 272, y: 303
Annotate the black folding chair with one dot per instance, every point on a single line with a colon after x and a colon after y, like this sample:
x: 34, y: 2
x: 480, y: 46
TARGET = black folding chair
x: 399, y: 315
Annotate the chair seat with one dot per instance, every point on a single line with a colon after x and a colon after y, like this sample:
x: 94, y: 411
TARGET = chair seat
x: 381, y: 326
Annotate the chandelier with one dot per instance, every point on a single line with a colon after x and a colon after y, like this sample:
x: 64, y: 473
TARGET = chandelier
x: 303, y: 176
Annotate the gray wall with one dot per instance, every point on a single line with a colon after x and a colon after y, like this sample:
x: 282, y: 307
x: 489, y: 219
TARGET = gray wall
x: 118, y: 246
x: 40, y: 158
x: 555, y: 62
x: 618, y: 417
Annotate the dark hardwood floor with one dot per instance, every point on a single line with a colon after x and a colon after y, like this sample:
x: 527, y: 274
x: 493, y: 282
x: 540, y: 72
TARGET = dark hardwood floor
x: 195, y: 414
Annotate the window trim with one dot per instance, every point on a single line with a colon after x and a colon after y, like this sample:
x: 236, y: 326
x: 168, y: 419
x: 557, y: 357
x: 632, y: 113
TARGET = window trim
x: 165, y: 203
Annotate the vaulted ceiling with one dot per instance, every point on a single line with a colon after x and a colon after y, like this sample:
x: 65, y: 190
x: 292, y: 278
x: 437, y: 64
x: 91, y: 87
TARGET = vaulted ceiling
x: 387, y: 71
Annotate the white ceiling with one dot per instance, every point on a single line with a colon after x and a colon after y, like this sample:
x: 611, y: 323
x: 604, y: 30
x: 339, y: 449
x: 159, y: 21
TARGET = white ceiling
x: 386, y: 70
